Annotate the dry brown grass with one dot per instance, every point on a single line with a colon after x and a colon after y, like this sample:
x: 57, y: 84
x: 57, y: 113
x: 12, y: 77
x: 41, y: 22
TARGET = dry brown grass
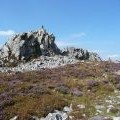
x: 40, y: 92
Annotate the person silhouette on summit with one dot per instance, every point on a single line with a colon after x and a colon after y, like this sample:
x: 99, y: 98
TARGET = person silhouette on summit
x: 42, y: 27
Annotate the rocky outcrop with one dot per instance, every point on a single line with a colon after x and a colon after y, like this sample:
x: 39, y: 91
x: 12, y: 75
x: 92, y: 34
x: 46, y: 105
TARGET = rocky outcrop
x: 27, y: 46
x: 80, y: 54
x: 76, y: 53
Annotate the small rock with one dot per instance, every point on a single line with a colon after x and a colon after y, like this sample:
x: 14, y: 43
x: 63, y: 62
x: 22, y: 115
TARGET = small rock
x: 68, y: 109
x: 99, y: 111
x: 109, y: 101
x: 71, y: 117
x: 56, y: 116
x: 81, y: 106
x: 14, y: 118
x: 100, y: 118
x: 97, y: 118
x: 99, y: 107
x: 116, y: 118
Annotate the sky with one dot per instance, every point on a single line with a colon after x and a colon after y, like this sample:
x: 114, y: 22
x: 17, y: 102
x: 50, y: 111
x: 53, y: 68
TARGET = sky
x: 90, y: 24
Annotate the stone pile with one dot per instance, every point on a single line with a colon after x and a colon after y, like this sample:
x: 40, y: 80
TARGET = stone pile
x: 41, y: 63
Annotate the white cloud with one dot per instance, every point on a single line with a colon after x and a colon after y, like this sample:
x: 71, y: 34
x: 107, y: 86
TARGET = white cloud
x: 7, y: 33
x: 96, y: 51
x: 63, y: 43
x: 113, y: 56
x: 70, y: 40
x: 78, y: 35
x: 75, y: 36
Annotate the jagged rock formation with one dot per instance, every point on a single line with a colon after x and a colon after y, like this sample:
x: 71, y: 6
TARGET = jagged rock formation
x: 27, y: 46
x: 80, y: 54
x: 76, y: 53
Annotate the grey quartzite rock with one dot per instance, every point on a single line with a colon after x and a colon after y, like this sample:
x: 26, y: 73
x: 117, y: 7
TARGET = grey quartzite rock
x: 80, y: 54
x: 37, y: 49
x: 29, y: 45
x: 98, y: 118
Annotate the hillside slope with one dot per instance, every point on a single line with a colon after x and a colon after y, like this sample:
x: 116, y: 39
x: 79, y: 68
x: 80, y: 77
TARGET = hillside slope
x: 91, y: 87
